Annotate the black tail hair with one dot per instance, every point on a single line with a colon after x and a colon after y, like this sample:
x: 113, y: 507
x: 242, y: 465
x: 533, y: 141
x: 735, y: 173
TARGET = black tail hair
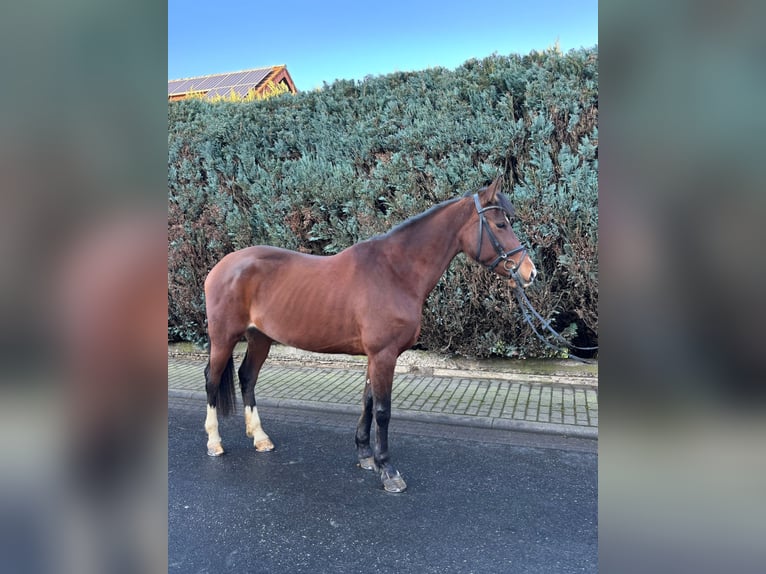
x: 225, y: 400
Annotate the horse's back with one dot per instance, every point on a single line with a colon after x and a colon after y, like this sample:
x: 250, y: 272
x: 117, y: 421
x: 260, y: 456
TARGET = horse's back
x: 289, y: 296
x: 249, y: 263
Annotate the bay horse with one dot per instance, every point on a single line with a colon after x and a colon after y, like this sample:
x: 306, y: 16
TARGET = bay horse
x: 365, y: 300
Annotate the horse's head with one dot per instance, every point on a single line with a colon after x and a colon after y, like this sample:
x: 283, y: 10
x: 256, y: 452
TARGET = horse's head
x: 495, y: 245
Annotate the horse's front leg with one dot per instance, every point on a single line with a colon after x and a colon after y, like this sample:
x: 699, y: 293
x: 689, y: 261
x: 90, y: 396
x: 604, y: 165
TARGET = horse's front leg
x: 363, y: 449
x: 381, y: 370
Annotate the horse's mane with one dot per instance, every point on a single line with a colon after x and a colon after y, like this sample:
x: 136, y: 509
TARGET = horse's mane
x: 502, y: 201
x: 421, y: 216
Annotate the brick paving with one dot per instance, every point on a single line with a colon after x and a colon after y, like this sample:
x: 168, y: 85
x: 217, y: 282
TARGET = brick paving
x: 535, y: 406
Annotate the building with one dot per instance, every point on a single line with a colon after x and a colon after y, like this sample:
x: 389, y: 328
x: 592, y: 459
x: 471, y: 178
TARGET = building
x: 222, y: 85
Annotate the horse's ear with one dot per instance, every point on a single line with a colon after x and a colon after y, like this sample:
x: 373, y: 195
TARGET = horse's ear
x: 489, y: 195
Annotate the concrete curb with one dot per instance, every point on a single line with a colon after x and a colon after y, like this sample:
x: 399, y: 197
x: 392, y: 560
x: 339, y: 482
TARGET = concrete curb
x: 428, y: 364
x: 415, y: 416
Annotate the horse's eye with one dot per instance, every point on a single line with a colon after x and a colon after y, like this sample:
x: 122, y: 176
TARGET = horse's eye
x: 501, y: 225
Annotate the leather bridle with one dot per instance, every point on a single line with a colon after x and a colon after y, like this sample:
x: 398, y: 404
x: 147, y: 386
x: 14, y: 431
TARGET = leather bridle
x: 502, y: 255
x: 521, y: 297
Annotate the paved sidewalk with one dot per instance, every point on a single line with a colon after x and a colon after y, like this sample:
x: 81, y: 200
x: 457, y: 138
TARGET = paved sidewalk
x: 532, y: 403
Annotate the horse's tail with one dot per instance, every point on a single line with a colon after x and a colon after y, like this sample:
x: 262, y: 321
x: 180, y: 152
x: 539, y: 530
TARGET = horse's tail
x: 225, y: 400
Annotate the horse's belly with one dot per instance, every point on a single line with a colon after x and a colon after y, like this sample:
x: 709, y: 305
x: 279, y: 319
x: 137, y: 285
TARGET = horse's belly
x: 319, y: 341
x: 335, y: 347
x: 318, y: 327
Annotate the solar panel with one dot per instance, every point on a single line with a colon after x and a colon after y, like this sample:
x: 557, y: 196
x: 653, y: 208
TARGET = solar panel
x: 231, y: 79
x: 255, y: 77
x: 243, y: 89
x: 209, y: 82
x: 173, y: 86
x: 220, y: 84
x: 181, y: 87
x: 217, y: 92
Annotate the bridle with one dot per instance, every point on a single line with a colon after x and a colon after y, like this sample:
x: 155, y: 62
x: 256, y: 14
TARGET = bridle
x: 502, y: 255
x: 521, y: 297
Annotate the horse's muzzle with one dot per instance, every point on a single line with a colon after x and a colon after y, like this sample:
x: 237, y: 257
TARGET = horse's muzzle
x: 532, y: 275
x: 515, y: 277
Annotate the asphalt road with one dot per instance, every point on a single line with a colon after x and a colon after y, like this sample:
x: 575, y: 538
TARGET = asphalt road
x: 482, y: 501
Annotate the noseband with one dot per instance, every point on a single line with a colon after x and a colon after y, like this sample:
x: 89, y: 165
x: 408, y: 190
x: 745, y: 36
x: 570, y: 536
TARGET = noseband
x: 502, y: 254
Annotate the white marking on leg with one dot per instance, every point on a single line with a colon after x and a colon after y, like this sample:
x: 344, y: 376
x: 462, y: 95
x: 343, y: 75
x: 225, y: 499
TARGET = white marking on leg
x: 253, y: 427
x: 214, y: 446
x: 248, y: 421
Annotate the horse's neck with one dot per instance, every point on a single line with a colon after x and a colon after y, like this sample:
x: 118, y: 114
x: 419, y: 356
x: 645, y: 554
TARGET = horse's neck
x: 423, y: 249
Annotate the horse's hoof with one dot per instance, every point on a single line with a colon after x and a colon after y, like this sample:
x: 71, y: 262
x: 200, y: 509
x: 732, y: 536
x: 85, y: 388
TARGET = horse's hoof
x: 264, y: 445
x: 215, y: 450
x: 393, y: 483
x: 367, y: 463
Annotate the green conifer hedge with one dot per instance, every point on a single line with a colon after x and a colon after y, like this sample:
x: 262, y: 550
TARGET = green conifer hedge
x: 319, y: 171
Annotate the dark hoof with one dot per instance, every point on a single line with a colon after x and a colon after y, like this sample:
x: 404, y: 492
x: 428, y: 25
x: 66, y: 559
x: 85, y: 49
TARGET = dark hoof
x: 367, y: 463
x: 392, y: 482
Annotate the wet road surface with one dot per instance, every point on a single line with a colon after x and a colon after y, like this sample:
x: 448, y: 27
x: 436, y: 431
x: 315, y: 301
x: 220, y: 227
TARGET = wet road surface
x: 478, y: 500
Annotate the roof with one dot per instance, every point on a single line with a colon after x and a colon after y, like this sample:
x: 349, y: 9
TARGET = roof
x: 223, y: 84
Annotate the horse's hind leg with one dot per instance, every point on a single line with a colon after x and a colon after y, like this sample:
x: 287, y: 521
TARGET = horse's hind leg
x: 219, y: 384
x: 258, y: 346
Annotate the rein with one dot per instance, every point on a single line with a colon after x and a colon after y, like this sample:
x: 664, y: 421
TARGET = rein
x: 527, y: 309
x: 521, y: 297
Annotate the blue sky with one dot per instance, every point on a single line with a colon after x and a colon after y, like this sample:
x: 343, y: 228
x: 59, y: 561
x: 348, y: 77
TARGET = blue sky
x: 342, y: 39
